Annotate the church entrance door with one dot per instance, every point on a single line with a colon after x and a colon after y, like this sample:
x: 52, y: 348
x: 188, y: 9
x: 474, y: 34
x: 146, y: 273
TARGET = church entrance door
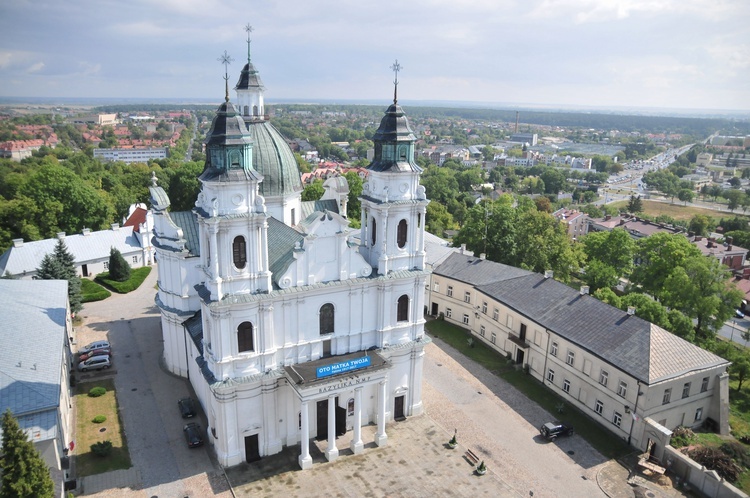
x: 398, y: 408
x: 322, y: 420
x: 252, y: 449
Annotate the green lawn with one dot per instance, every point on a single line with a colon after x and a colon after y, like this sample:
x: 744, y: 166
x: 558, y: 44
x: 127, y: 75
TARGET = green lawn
x: 600, y: 438
x: 91, y: 291
x: 88, y: 432
x: 137, y: 276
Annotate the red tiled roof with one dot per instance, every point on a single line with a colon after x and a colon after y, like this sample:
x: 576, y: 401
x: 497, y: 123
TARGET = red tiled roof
x: 136, y: 219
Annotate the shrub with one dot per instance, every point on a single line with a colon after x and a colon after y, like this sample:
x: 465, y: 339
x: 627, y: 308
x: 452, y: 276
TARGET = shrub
x: 102, y: 448
x: 682, y: 436
x: 95, y: 392
x: 737, y: 451
x: 99, y: 419
x: 137, y: 276
x: 119, y: 269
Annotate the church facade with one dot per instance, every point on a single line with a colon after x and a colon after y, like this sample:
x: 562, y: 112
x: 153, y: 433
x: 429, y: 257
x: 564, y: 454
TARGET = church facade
x: 286, y: 328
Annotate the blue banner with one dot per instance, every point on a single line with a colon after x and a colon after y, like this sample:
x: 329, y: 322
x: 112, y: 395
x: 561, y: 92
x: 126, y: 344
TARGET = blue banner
x: 344, y: 366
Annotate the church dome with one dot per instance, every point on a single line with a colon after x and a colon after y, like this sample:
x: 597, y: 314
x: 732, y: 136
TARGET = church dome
x: 274, y: 159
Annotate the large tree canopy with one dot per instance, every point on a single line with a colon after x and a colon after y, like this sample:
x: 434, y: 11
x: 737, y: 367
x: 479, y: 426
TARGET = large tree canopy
x: 24, y: 473
x: 658, y: 255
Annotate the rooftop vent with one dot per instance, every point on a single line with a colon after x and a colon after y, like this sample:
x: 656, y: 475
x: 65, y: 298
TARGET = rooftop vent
x: 115, y: 226
x: 548, y: 274
x: 17, y: 242
x: 86, y: 231
x: 584, y: 290
x: 61, y: 235
x: 483, y: 256
x: 631, y: 310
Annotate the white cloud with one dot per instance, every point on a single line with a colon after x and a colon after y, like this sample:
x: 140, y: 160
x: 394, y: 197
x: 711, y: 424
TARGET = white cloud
x: 35, y: 67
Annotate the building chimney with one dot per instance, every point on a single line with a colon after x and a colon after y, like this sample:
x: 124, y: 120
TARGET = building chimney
x: 17, y: 242
x: 86, y: 231
x: 631, y: 310
x: 548, y: 274
x: 607, y: 217
x: 584, y: 290
x: 115, y: 226
x: 729, y: 243
x: 61, y: 235
x: 482, y: 256
x: 698, y: 238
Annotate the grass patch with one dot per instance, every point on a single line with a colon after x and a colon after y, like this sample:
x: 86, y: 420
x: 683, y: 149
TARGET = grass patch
x: 91, y: 291
x: 597, y: 436
x: 678, y: 211
x: 137, y: 276
x: 88, y: 433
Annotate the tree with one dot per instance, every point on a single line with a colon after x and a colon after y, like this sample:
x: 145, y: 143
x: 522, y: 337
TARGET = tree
x: 599, y: 275
x: 733, y: 197
x: 184, y: 186
x: 24, y: 473
x: 635, y: 204
x: 685, y: 195
x: 646, y: 308
x: 353, y: 207
x: 614, y: 249
x: 701, y: 288
x: 659, y: 254
x: 119, y: 269
x: 700, y: 224
x: 60, y: 265
x: 741, y: 368
x: 438, y: 219
x: 313, y: 191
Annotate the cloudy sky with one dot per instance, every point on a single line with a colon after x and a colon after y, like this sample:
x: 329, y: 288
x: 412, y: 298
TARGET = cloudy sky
x: 684, y: 54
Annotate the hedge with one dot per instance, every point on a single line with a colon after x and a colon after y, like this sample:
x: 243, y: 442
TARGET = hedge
x: 91, y: 291
x: 137, y: 276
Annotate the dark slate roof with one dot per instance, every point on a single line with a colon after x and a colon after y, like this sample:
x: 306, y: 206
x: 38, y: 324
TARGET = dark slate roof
x: 227, y: 128
x: 475, y: 271
x: 249, y: 78
x: 281, y: 241
x: 631, y: 344
x: 304, y: 373
x: 309, y: 207
x: 189, y: 224
x: 194, y: 326
x: 394, y: 128
x: 274, y: 159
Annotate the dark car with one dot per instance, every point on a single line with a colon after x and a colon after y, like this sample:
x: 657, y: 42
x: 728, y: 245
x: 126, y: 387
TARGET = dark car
x: 739, y: 314
x: 193, y: 435
x: 95, y: 352
x: 552, y: 431
x: 187, y: 407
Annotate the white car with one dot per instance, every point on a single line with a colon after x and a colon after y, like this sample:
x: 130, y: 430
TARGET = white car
x: 95, y: 363
x: 94, y: 345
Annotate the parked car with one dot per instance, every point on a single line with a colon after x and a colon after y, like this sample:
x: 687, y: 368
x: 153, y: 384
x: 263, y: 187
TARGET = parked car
x: 739, y: 314
x: 95, y: 352
x: 95, y: 363
x: 93, y: 345
x: 552, y: 431
x: 193, y: 435
x: 187, y: 407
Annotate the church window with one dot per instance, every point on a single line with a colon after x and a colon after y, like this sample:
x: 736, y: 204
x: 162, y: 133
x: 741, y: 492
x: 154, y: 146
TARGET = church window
x: 239, y: 252
x: 245, y: 337
x: 294, y: 217
x: 401, y: 234
x: 255, y: 110
x: 234, y: 160
x: 402, y: 153
x: 326, y: 319
x: 419, y: 220
x: 373, y: 232
x: 246, y: 110
x: 402, y: 313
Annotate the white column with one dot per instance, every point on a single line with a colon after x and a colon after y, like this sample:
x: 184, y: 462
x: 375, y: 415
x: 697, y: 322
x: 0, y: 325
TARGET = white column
x: 305, y: 461
x: 381, y: 438
x: 332, y: 452
x: 357, y: 445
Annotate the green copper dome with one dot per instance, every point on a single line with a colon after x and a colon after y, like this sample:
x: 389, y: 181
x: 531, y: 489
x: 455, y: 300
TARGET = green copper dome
x: 274, y: 159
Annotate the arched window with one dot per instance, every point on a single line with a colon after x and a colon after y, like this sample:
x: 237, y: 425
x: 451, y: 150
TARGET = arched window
x: 373, y: 231
x: 255, y: 110
x: 402, y: 311
x: 239, y: 252
x: 401, y: 234
x: 245, y: 337
x: 246, y: 110
x: 326, y: 319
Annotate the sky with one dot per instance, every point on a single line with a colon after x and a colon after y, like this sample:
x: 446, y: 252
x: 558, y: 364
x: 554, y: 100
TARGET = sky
x: 675, y: 54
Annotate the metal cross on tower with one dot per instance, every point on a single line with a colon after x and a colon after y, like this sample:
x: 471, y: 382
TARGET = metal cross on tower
x: 396, y: 67
x: 248, y: 30
x: 226, y: 60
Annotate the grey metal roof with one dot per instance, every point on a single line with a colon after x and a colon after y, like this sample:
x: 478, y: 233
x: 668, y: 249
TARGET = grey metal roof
x: 188, y: 221
x: 274, y: 159
x: 94, y: 246
x: 249, y: 78
x: 394, y: 128
x: 631, y: 344
x: 32, y: 343
x: 281, y: 242
x: 194, y: 326
x: 309, y: 207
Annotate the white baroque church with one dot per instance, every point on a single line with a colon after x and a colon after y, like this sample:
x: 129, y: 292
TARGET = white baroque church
x: 286, y: 327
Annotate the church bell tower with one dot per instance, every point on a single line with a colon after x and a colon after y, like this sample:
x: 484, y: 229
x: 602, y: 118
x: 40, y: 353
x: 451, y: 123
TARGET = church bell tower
x: 393, y: 202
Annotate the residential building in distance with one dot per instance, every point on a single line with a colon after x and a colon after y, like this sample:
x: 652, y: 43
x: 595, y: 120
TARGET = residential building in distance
x: 286, y: 328
x: 576, y: 221
x: 636, y: 379
x: 134, y: 155
x: 35, y: 360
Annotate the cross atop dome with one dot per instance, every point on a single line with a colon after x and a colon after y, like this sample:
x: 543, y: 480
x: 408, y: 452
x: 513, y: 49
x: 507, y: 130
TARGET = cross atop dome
x: 226, y: 59
x: 396, y: 67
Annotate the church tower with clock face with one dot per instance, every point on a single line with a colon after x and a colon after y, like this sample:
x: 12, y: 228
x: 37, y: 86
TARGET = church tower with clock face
x: 393, y: 202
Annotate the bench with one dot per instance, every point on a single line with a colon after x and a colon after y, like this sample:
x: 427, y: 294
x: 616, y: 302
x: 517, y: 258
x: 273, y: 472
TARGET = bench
x: 471, y: 457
